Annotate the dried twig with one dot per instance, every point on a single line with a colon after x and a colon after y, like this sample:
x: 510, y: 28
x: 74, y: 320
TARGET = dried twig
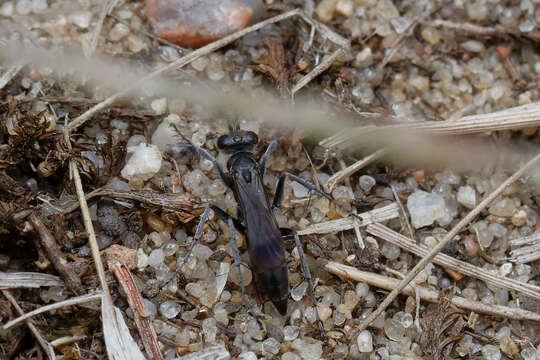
x: 340, y: 41
x: 356, y: 228
x: 119, y: 343
x: 525, y: 254
x: 33, y: 329
x: 404, y: 218
x: 28, y: 280
x: 140, y: 311
x: 55, y: 255
x: 483, y: 30
x: 55, y: 306
x: 351, y: 169
x: 449, y: 236
x: 518, y: 117
x: 456, y: 265
x: 218, y: 352
x: 388, y: 283
x: 9, y: 74
x: 326, y: 62
x: 181, y: 203
x: 398, y: 43
x: 387, y: 212
x: 66, y: 340
x: 108, y: 6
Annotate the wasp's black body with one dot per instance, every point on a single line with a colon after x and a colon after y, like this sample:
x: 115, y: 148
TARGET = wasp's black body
x: 255, y: 218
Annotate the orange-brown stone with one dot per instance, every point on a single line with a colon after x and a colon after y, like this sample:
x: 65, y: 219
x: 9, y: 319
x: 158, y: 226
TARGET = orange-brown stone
x: 194, y: 23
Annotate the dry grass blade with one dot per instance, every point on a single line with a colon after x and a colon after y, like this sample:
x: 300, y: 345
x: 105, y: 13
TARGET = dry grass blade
x: 55, y: 306
x: 519, y: 117
x: 325, y: 64
x: 9, y: 74
x: 351, y: 169
x: 387, y: 212
x: 462, y: 267
x: 73, y: 282
x: 388, y: 283
x: 120, y: 344
x: 525, y: 254
x: 218, y: 352
x: 526, y: 240
x: 449, y: 236
x: 108, y: 6
x: 140, y: 311
x: 28, y: 280
x: 483, y: 30
x: 181, y: 203
x: 47, y: 347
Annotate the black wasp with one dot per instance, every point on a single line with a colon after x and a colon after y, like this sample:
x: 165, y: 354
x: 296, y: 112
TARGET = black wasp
x: 255, y: 218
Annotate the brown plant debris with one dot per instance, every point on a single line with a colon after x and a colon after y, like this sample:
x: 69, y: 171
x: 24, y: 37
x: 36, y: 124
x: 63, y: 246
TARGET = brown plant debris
x: 442, y: 327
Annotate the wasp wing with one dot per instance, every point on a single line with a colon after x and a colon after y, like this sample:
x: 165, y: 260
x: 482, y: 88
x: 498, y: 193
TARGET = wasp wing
x: 265, y: 244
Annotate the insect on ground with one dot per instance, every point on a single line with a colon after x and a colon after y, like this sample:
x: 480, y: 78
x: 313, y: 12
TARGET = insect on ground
x: 255, y: 217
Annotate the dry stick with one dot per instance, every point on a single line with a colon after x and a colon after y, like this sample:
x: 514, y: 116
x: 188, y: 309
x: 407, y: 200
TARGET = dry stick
x: 354, y: 211
x: 28, y: 280
x: 172, y: 202
x: 449, y: 236
x: 351, y: 169
x: 325, y: 64
x: 387, y: 212
x: 388, y: 283
x: 55, y: 306
x: 72, y: 280
x: 140, y: 311
x: 518, y: 117
x: 402, y: 211
x: 483, y: 30
x: 108, y: 6
x: 9, y: 74
x: 196, y: 54
x: 33, y: 329
x: 525, y: 254
x: 462, y: 267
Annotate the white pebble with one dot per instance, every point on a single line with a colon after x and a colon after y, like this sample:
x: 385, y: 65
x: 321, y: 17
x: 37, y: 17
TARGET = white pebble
x: 365, y: 342
x: 159, y: 106
x: 425, y: 208
x: 466, y: 196
x: 7, y: 9
x: 143, y: 164
x: 473, y: 46
x: 118, y: 32
x: 81, y: 18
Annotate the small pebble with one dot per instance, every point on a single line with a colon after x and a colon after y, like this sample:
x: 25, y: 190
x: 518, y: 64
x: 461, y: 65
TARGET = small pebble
x: 81, y: 18
x: 194, y: 24
x: 325, y: 10
x: 425, y: 208
x: 365, y: 341
x: 119, y: 32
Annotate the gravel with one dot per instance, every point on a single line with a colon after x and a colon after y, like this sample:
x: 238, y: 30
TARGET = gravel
x: 437, y: 73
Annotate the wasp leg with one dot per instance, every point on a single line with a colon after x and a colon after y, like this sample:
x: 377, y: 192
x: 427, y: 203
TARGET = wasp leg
x: 196, y: 237
x: 278, y: 197
x: 199, y: 232
x: 236, y: 254
x: 271, y: 147
x: 205, y: 154
x: 308, y: 278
